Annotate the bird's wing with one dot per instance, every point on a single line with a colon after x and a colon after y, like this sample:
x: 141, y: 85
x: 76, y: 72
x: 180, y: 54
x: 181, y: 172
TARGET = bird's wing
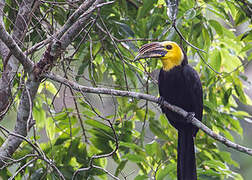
x: 193, y: 83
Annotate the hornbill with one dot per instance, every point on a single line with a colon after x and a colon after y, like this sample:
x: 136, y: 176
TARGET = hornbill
x: 180, y: 85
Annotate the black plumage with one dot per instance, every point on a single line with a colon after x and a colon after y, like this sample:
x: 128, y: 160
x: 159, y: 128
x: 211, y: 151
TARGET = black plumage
x: 181, y: 86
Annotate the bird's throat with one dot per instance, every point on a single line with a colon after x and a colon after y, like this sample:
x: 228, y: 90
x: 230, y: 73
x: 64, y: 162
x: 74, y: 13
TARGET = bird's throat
x: 169, y: 64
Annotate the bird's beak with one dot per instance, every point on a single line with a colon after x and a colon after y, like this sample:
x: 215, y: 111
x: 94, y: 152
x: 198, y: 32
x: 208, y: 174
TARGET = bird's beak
x: 151, y: 50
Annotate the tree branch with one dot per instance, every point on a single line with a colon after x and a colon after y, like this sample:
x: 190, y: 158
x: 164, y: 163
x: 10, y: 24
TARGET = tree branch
x: 151, y: 98
x: 51, y: 54
x: 15, y: 49
x: 3, y: 48
x: 40, y: 154
x: 10, y: 63
x: 78, y: 25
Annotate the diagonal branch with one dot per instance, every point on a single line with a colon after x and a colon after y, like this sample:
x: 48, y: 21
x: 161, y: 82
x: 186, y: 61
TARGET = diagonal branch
x: 15, y: 49
x: 154, y: 99
x: 65, y: 37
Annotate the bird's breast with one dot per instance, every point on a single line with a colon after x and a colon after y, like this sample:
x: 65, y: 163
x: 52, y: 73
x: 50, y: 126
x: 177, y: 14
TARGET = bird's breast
x: 172, y: 86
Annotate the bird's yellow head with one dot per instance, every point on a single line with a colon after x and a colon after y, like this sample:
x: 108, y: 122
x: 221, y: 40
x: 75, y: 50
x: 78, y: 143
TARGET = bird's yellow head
x: 169, y: 52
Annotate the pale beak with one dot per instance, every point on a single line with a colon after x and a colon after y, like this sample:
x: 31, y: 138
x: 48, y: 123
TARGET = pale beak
x: 151, y: 50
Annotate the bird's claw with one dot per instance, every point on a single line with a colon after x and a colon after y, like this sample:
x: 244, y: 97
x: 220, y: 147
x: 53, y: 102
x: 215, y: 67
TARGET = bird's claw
x: 189, y: 117
x: 161, y: 101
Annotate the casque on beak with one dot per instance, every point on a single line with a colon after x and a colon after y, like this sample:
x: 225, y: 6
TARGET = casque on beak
x: 151, y: 50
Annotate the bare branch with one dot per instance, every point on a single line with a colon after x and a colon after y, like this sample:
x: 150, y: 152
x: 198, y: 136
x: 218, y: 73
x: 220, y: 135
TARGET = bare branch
x: 77, y: 26
x: 79, y: 116
x: 119, y: 53
x: 72, y: 19
x: 3, y: 48
x: 53, y: 51
x: 40, y: 153
x: 74, y: 22
x: 23, y: 167
x: 154, y: 99
x: 101, y: 155
x: 12, y: 142
x: 106, y: 171
x: 12, y: 161
x: 15, y: 49
x: 10, y: 63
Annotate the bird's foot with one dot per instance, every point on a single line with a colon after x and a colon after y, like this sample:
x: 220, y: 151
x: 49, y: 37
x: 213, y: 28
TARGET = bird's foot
x: 189, y: 117
x: 161, y: 101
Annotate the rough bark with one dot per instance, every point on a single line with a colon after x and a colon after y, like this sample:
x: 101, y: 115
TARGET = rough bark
x: 10, y: 62
x: 51, y: 54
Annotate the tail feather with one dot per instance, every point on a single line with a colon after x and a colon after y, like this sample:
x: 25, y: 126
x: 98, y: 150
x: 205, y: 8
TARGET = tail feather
x: 186, y: 165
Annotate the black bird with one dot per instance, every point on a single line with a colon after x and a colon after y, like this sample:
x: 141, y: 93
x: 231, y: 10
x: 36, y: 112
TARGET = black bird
x: 180, y: 85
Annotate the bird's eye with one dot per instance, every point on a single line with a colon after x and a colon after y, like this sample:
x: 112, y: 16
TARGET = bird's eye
x: 169, y: 47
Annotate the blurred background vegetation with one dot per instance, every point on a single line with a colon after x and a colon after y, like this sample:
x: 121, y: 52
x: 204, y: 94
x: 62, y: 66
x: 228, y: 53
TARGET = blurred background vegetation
x: 71, y: 126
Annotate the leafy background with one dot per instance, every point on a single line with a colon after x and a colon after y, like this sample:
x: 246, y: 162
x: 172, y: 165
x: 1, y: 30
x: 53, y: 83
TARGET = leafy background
x: 72, y: 127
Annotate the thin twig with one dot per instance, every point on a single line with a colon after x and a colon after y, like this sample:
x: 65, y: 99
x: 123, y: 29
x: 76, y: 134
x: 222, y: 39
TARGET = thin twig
x: 16, y: 160
x: 174, y: 18
x: 203, y: 59
x: 106, y: 171
x: 29, y: 121
x: 21, y: 137
x: 119, y: 53
x: 182, y: 37
x: 23, y: 167
x: 101, y: 155
x: 79, y: 116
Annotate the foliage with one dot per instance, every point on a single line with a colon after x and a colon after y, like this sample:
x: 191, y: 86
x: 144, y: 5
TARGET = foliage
x: 145, y: 137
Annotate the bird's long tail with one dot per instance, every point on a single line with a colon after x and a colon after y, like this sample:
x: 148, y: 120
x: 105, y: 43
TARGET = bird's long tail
x: 186, y: 166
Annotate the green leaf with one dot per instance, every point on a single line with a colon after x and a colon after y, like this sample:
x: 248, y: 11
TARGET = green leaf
x: 101, y: 143
x: 217, y: 165
x: 39, y: 114
x: 120, y: 167
x: 227, y: 94
x: 155, y: 127
x: 246, y: 48
x: 38, y: 174
x: 240, y: 93
x: 145, y: 8
x: 49, y: 86
x: 126, y: 29
x: 81, y: 69
x: 190, y: 14
x: 212, y: 96
x: 141, y: 177
x: 61, y: 140
x: 50, y: 128
x: 132, y: 146
x: 229, y: 61
x: 161, y: 2
x: 165, y: 171
x: 228, y: 135
x: 209, y: 106
x: 153, y: 149
x: 97, y: 124
x: 226, y: 156
x: 247, y: 36
x: 217, y: 27
x: 240, y: 17
x: 134, y: 158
